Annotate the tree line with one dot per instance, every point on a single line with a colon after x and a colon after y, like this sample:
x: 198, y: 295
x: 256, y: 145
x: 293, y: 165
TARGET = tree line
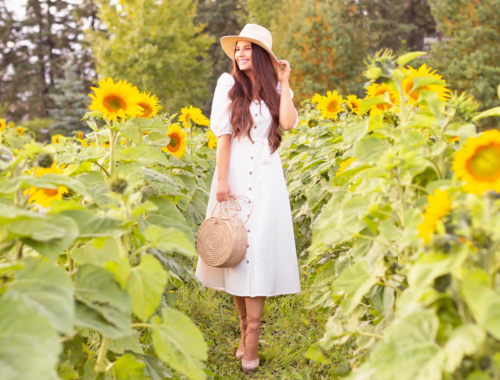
x: 171, y: 47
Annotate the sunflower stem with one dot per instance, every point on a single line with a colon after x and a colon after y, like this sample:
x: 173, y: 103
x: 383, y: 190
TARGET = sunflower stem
x: 111, y: 152
x: 101, y: 357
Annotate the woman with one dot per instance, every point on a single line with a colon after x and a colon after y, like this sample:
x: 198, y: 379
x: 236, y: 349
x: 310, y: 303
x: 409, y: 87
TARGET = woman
x: 249, y: 107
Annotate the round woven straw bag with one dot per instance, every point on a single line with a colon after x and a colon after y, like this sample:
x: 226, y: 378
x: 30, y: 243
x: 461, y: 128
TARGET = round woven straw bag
x: 222, y: 239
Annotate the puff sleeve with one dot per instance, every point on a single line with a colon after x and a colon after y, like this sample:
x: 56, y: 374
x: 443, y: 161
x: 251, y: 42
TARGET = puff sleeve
x: 278, y: 88
x: 220, y: 122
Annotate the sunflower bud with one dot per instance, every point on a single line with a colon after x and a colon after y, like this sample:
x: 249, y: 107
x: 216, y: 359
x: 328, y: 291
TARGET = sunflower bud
x: 45, y: 160
x: 442, y: 283
x: 485, y: 362
x: 118, y: 185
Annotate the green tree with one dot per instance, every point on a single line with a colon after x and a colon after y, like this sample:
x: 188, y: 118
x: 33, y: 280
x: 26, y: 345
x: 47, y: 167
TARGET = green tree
x: 33, y: 52
x: 400, y: 25
x: 70, y: 101
x: 469, y: 52
x: 325, y: 43
x: 220, y: 18
x: 156, y: 46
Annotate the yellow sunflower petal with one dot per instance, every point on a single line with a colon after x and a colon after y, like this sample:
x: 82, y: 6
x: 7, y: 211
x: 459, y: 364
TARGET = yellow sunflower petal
x: 177, y: 145
x: 330, y: 105
x: 441, y: 90
x: 478, y: 163
x: 116, y: 100
x: 150, y: 105
x: 375, y: 90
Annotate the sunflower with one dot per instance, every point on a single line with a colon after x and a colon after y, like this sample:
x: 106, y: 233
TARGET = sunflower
x: 80, y: 135
x: 83, y: 143
x: 423, y: 71
x: 20, y: 131
x: 3, y: 125
x: 478, y: 163
x: 375, y: 90
x: 106, y: 144
x: 11, y: 124
x: 316, y: 98
x: 116, y: 100
x: 451, y: 140
x: 55, y: 139
x: 177, y: 145
x: 193, y: 114
x: 439, y: 206
x: 345, y: 164
x: 353, y: 102
x: 212, y: 140
x: 312, y: 122
x: 149, y: 104
x: 45, y: 197
x: 330, y: 105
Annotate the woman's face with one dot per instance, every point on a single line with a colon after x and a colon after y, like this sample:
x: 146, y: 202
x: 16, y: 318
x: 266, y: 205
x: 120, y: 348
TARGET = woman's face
x: 243, y: 55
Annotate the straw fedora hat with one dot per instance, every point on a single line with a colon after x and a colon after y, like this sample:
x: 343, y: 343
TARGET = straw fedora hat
x: 253, y: 33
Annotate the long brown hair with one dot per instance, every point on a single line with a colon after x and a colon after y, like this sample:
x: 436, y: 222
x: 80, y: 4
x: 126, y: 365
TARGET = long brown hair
x: 264, y: 88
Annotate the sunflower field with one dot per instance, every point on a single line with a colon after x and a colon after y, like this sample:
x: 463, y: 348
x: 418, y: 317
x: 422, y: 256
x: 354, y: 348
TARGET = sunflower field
x: 395, y: 199
x: 398, y: 196
x: 97, y: 234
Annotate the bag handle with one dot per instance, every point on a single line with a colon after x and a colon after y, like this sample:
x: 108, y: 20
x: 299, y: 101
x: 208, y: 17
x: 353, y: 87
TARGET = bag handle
x: 231, y: 198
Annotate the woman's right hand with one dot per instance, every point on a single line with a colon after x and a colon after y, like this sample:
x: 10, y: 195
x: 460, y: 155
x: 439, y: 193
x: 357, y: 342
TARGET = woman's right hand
x: 222, y: 191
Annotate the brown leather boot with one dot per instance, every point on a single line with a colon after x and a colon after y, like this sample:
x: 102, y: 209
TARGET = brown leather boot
x: 251, y: 340
x: 243, y: 328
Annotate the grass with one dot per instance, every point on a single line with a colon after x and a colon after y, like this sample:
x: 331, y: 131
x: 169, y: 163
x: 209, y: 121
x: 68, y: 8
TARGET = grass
x: 288, y: 329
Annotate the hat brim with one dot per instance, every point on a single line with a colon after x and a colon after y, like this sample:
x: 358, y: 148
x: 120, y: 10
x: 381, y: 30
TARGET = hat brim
x: 229, y: 45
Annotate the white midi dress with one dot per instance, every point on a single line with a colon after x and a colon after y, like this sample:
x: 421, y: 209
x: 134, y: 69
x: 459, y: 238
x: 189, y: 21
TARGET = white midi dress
x: 270, y: 265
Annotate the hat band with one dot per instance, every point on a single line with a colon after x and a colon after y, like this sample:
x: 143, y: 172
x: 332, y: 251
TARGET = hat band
x: 255, y: 38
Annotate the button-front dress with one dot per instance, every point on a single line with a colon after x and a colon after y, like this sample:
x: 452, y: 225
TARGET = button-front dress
x: 270, y: 265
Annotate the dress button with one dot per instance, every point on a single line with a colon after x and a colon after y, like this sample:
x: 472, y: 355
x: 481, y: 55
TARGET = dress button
x: 251, y: 157
x: 254, y: 127
x: 248, y: 245
x: 248, y: 230
x: 249, y: 201
x: 250, y: 188
x: 247, y: 261
x: 250, y: 172
x: 256, y: 115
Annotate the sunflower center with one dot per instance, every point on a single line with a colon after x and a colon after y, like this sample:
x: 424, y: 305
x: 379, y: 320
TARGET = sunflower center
x: 114, y: 103
x: 174, y: 145
x: 51, y: 192
x: 332, y: 106
x: 146, y: 109
x: 485, y: 164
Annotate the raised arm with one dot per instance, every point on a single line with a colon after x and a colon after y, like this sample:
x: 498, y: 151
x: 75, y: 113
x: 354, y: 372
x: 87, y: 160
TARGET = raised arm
x: 288, y: 113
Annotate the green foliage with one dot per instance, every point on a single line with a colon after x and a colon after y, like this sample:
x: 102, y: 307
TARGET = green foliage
x: 33, y: 53
x: 400, y: 25
x: 36, y: 125
x: 322, y: 40
x: 70, y: 101
x: 220, y: 18
x: 89, y: 278
x: 469, y: 51
x: 413, y: 303
x: 156, y: 46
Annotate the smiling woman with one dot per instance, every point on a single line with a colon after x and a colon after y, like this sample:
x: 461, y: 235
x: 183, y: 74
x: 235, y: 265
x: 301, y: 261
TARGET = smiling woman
x: 251, y: 108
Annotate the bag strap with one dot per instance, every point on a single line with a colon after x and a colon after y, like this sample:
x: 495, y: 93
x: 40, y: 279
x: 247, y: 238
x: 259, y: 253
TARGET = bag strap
x: 237, y: 207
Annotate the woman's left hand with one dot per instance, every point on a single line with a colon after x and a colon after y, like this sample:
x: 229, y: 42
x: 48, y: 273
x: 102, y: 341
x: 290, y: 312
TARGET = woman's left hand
x: 284, y: 75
